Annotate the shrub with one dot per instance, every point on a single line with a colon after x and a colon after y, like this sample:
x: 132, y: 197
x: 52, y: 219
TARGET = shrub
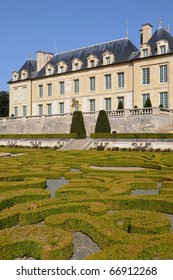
x: 77, y: 125
x: 102, y: 124
x: 148, y: 103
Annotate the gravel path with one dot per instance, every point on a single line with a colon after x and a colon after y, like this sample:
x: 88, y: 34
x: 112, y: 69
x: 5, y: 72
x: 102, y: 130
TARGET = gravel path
x: 83, y: 246
x: 115, y: 168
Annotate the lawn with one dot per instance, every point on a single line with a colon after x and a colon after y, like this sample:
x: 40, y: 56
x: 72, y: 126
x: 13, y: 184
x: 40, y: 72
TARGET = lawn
x: 101, y: 203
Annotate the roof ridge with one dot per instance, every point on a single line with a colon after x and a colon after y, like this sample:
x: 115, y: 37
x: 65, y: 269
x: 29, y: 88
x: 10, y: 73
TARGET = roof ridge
x: 91, y: 46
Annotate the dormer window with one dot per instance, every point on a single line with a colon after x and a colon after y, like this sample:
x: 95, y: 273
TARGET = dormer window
x: 162, y: 47
x: 62, y: 67
x: 49, y: 69
x: 145, y: 50
x: 24, y: 74
x: 15, y: 76
x: 76, y: 64
x: 92, y: 61
x: 108, y: 58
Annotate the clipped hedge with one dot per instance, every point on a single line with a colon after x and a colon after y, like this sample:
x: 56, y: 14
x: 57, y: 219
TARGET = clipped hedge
x: 38, y: 136
x: 37, y: 242
x: 131, y: 135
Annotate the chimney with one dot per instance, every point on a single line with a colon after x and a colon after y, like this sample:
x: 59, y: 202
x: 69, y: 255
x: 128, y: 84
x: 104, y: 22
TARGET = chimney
x: 42, y: 59
x: 146, y: 33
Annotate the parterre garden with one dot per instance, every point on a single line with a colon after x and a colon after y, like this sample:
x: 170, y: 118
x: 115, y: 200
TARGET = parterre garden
x: 98, y: 203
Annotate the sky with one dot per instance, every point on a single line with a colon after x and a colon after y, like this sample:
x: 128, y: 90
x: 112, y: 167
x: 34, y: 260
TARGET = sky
x: 39, y: 25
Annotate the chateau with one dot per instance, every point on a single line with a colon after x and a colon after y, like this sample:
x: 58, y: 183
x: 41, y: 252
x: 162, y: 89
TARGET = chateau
x: 98, y: 77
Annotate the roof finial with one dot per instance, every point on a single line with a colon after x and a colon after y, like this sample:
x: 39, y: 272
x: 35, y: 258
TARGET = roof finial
x: 55, y: 51
x: 169, y: 28
x: 29, y: 55
x: 127, y: 29
x: 160, y: 22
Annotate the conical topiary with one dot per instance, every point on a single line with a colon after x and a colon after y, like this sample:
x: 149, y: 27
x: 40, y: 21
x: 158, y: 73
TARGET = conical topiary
x: 120, y: 106
x: 77, y: 125
x: 148, y: 103
x: 102, y: 124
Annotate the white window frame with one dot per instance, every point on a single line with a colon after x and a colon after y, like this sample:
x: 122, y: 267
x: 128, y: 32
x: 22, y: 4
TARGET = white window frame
x: 92, y: 105
x: 108, y: 104
x: 92, y: 83
x: 146, y: 76
x: 49, y: 90
x: 164, y: 99
x: 121, y: 83
x: 61, y: 87
x: 40, y: 93
x: 49, y: 109
x: 108, y: 81
x: 163, y: 74
x: 76, y: 86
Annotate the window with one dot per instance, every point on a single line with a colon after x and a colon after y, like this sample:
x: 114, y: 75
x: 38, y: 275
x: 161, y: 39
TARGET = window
x: 40, y: 87
x: 61, y: 69
x: 92, y: 105
x: 16, y: 111
x: 164, y: 74
x: 108, y: 104
x: 164, y: 99
x: 61, y: 85
x: 49, y: 86
x: 108, y: 60
x: 146, y: 76
x: 108, y: 82
x: 92, y: 63
x: 145, y: 97
x: 61, y: 107
x: 24, y: 111
x: 49, y: 109
x: 76, y: 86
x: 92, y: 83
x: 145, y: 52
x: 121, y: 80
x: 76, y: 66
x: 40, y: 110
x: 162, y: 49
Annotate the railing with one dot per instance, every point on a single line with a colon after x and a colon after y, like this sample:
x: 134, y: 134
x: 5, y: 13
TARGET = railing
x: 113, y: 113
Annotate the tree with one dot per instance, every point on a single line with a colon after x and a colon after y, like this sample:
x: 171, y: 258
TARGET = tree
x: 4, y: 104
x: 148, y: 103
x: 77, y: 125
x: 102, y: 124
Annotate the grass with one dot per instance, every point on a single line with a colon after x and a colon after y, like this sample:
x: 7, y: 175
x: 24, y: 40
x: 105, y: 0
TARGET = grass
x: 96, y: 202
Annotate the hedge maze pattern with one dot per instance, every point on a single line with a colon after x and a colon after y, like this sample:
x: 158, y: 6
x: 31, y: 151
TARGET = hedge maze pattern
x: 98, y: 203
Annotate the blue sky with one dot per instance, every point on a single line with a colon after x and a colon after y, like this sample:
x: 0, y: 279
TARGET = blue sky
x: 34, y: 25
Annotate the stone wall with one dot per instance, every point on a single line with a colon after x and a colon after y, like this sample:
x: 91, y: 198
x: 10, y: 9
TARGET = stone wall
x: 122, y: 123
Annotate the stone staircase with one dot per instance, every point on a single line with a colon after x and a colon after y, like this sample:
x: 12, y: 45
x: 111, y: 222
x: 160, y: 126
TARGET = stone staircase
x: 77, y: 144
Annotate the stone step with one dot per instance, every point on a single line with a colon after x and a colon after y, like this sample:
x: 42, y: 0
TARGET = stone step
x: 77, y: 144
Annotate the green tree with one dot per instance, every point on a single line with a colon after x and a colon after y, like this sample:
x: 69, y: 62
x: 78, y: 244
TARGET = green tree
x: 102, y: 124
x: 148, y: 103
x: 4, y: 104
x: 77, y: 125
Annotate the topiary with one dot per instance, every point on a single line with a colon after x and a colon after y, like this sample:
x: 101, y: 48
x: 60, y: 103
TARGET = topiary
x: 120, y: 106
x: 102, y: 124
x: 148, y: 103
x: 77, y: 125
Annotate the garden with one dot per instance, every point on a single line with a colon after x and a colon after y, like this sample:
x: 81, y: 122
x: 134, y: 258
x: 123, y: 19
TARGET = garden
x: 121, y: 200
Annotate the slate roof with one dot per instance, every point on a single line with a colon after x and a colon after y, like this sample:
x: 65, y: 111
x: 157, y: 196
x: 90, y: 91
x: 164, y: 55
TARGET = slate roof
x: 30, y: 66
x: 160, y: 34
x: 122, y: 49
